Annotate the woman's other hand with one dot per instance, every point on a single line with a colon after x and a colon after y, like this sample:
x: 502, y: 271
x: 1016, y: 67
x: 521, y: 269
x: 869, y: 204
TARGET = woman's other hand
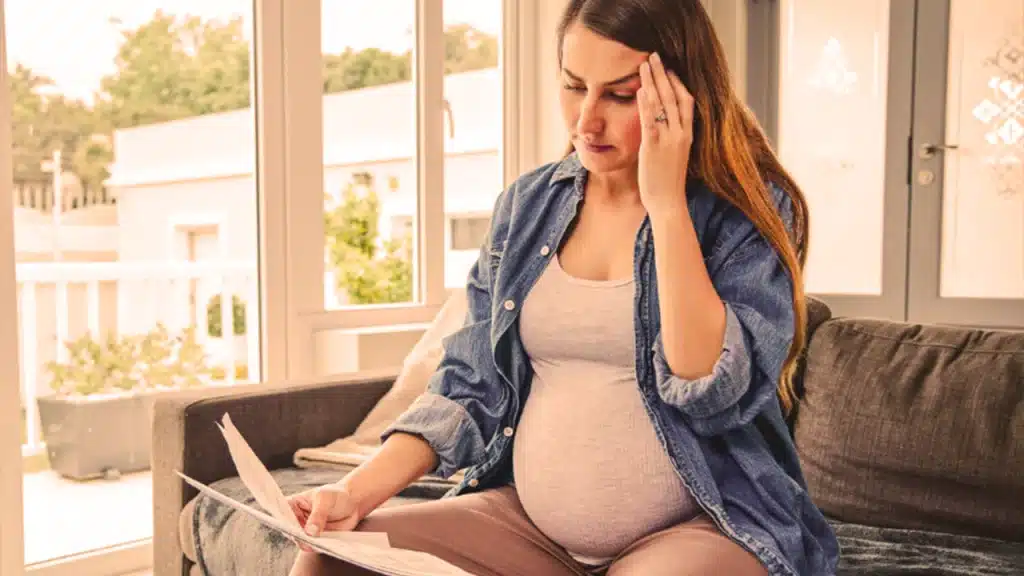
x: 327, y: 508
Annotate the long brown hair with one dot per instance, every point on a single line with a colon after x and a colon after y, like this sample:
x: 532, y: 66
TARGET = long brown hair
x: 730, y: 153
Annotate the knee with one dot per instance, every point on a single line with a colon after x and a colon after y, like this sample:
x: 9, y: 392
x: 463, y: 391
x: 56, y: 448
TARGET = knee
x: 307, y: 564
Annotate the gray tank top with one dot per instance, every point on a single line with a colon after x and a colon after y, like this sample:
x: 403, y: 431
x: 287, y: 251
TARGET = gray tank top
x: 588, y: 466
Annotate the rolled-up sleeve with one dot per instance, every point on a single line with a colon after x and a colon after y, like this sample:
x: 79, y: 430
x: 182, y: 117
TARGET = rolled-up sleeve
x: 447, y: 427
x: 464, y: 401
x: 757, y: 291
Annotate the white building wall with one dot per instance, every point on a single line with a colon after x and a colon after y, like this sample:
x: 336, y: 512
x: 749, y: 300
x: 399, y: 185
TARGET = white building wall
x: 197, y: 172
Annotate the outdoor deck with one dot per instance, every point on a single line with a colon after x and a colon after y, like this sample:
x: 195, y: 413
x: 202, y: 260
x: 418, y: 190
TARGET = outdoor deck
x: 64, y: 517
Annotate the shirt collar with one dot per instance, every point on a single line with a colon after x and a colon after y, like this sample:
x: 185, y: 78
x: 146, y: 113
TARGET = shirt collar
x: 569, y: 168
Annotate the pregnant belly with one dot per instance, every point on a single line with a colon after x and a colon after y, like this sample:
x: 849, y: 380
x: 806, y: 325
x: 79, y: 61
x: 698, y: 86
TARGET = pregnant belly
x: 589, y: 468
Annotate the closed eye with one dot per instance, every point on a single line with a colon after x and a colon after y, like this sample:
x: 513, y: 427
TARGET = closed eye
x: 623, y: 98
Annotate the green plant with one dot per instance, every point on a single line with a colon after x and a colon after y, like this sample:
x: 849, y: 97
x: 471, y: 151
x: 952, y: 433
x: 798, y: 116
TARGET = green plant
x: 368, y: 270
x: 136, y: 362
x: 213, y: 327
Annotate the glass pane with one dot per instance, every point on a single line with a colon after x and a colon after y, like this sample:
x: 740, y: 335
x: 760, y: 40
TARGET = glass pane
x: 832, y: 127
x: 369, y: 140
x: 983, y: 195
x: 135, y: 214
x: 473, y: 129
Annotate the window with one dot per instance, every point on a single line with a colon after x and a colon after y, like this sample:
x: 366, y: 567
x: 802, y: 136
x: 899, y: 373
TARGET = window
x: 123, y: 298
x: 411, y: 123
x: 468, y: 232
x: 293, y: 152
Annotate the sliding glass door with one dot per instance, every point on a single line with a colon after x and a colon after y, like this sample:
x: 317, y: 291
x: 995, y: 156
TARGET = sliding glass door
x: 967, y: 210
x: 902, y: 121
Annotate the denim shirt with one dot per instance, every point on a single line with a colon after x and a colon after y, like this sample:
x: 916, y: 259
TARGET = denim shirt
x: 724, y: 432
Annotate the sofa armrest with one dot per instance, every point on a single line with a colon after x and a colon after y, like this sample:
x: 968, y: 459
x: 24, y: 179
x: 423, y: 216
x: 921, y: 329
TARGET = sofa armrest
x: 275, y: 419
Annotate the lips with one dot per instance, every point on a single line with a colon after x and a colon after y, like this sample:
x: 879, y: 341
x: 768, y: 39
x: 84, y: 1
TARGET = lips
x: 594, y: 147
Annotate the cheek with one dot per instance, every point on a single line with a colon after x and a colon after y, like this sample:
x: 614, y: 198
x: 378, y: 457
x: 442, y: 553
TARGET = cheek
x: 629, y: 129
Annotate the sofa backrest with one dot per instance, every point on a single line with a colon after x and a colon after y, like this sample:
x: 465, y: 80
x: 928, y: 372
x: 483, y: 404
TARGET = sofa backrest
x: 912, y: 426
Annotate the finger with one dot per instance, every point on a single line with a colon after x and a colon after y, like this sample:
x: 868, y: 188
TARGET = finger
x: 296, y: 510
x: 666, y: 94
x: 301, y: 500
x: 684, y: 100
x: 323, y: 502
x: 647, y: 105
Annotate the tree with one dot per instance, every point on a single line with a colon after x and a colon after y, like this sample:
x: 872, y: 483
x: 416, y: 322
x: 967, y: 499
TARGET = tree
x: 369, y: 271
x: 369, y: 67
x: 171, y: 68
x: 177, y: 67
x: 467, y: 49
x: 43, y: 121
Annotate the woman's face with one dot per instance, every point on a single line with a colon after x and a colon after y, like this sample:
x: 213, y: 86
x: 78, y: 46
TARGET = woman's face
x: 600, y: 78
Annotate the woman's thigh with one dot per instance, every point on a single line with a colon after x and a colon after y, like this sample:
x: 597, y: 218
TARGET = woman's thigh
x: 693, y: 548
x: 485, y: 533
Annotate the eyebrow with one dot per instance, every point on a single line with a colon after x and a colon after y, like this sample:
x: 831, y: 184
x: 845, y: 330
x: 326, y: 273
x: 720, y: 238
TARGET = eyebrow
x: 625, y: 78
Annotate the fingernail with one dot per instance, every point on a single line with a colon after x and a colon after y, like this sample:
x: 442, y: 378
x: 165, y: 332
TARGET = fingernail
x: 655, y: 57
x: 313, y: 530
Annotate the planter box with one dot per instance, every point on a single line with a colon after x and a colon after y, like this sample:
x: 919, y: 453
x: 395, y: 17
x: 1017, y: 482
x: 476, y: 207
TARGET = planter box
x: 92, y: 436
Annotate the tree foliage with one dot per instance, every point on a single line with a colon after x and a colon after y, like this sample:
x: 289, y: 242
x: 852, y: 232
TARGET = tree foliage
x: 174, y: 67
x: 367, y: 269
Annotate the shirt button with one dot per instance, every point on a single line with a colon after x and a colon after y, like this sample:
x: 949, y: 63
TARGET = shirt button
x: 509, y: 305
x: 545, y: 251
x: 473, y: 482
x: 507, y: 431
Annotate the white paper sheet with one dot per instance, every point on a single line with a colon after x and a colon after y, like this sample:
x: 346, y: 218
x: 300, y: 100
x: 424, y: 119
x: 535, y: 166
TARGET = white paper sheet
x: 369, y: 550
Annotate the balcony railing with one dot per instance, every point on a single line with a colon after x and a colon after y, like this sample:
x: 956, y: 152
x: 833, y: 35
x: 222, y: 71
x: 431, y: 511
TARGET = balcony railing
x: 59, y: 302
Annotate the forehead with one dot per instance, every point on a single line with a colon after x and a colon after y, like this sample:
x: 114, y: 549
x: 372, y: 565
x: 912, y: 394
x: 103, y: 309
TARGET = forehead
x: 596, y: 58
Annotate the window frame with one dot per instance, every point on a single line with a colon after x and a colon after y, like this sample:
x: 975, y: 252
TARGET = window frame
x: 304, y: 170
x: 12, y: 538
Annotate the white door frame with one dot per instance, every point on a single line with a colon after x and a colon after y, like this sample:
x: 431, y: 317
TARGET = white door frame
x: 12, y: 544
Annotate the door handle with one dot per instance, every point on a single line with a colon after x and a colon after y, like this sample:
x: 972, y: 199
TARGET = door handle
x: 929, y: 150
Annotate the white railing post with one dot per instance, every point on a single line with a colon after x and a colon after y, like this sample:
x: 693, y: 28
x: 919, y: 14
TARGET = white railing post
x: 62, y: 320
x: 227, y: 327
x: 252, y: 328
x: 29, y: 367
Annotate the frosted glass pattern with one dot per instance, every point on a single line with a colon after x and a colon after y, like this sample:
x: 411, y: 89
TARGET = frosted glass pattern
x: 983, y: 195
x: 832, y: 131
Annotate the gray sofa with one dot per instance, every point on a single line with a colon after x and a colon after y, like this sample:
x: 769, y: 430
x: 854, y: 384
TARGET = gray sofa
x: 912, y: 439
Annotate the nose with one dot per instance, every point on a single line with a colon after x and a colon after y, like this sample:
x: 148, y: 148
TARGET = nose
x: 590, y: 120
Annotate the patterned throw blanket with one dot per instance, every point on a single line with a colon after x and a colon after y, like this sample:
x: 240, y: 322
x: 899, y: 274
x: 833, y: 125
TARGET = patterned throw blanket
x: 893, y: 552
x: 228, y: 543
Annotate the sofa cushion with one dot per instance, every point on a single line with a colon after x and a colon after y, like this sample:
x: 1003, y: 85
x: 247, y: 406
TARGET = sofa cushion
x: 897, y: 552
x: 916, y: 427
x: 817, y: 314
x: 219, y: 540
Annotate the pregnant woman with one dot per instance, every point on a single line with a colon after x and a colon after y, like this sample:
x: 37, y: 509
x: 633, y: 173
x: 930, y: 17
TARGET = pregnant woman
x: 617, y: 392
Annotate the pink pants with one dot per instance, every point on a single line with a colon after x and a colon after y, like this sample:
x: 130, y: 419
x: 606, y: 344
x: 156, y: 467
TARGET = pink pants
x: 488, y: 534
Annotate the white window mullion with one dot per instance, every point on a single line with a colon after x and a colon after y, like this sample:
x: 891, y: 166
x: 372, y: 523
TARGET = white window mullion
x: 428, y: 73
x: 12, y: 536
x: 301, y: 151
x: 520, y: 96
x: 272, y: 206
